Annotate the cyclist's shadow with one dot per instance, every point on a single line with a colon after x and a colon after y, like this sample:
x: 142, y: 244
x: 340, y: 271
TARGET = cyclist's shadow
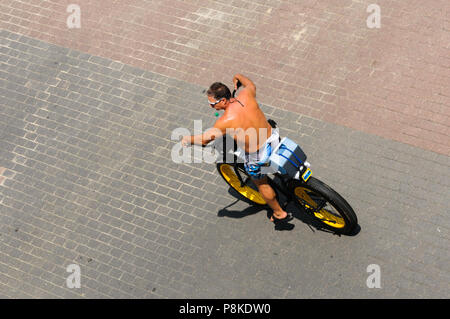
x: 250, y: 210
x: 295, y: 210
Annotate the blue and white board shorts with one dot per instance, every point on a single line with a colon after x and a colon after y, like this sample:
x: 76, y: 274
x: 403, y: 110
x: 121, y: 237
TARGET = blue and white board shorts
x: 254, y: 161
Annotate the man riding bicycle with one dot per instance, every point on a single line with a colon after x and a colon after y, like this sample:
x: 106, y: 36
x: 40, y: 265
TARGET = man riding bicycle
x: 243, y: 115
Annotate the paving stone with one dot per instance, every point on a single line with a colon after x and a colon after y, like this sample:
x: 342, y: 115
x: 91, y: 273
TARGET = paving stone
x: 94, y: 184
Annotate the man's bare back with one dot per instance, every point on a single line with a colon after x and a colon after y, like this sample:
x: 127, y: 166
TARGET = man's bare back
x: 248, y: 121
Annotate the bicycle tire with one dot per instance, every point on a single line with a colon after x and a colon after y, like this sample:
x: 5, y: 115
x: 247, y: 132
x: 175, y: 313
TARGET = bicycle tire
x: 305, y: 193
x: 226, y: 170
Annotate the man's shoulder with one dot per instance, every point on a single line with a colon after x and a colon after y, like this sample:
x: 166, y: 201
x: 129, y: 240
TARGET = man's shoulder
x: 225, y: 121
x: 247, y: 98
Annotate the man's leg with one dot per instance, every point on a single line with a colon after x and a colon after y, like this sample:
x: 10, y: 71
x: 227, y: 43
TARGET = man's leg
x: 269, y: 196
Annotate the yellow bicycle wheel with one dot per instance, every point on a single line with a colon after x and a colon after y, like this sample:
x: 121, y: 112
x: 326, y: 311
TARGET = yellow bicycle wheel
x: 328, y: 215
x: 248, y: 190
x: 326, y: 205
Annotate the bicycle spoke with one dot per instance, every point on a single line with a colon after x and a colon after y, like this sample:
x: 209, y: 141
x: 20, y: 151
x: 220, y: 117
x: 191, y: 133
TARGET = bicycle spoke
x: 306, y: 205
x: 242, y: 171
x: 314, y: 210
x: 319, y: 200
x: 321, y: 205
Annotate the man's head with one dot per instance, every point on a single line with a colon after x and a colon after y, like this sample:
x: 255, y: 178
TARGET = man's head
x: 218, y: 95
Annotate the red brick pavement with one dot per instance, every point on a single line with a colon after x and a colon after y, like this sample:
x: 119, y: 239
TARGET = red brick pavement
x: 314, y: 57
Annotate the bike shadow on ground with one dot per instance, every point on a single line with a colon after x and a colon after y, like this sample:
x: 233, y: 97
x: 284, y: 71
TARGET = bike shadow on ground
x: 297, y: 212
x: 250, y: 210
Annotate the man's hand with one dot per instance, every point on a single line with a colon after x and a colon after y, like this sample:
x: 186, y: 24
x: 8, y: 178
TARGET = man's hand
x: 235, y: 82
x: 186, y: 141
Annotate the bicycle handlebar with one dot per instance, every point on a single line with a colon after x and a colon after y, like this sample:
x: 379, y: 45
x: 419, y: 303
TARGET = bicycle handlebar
x: 210, y: 144
x: 238, y: 85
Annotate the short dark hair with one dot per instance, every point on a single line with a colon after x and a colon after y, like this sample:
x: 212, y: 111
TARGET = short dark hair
x: 219, y: 91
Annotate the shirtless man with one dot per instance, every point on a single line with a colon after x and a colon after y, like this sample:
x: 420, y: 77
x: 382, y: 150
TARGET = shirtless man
x: 243, y: 114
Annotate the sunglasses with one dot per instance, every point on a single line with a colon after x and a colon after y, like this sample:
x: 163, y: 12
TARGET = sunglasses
x: 213, y: 104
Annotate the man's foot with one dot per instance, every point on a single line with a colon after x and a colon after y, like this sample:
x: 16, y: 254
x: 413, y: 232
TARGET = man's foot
x: 283, y: 217
x: 283, y: 223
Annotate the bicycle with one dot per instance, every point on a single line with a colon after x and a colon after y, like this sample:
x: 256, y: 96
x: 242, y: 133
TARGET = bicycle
x: 316, y: 198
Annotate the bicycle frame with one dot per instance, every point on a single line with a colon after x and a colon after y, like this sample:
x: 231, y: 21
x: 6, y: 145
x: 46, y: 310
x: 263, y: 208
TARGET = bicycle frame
x: 239, y: 158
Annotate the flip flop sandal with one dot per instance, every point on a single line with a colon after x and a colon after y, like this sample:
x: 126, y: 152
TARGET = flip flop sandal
x: 282, y: 220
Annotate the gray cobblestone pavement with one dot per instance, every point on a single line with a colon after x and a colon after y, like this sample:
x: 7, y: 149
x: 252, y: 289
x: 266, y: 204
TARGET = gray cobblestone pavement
x: 86, y: 178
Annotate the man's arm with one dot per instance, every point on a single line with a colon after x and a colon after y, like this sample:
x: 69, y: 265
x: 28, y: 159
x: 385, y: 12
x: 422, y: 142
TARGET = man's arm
x: 209, y: 135
x: 246, y: 82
